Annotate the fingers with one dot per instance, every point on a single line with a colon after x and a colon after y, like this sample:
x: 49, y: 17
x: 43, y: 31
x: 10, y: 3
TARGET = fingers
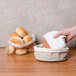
x: 68, y: 33
x: 69, y: 37
x: 58, y: 34
x: 62, y: 32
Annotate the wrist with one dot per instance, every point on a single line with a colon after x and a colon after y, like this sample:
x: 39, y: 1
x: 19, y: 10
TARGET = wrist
x: 74, y: 27
x: 73, y: 31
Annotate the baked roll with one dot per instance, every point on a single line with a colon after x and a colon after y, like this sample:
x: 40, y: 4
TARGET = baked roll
x: 31, y: 47
x: 17, y: 40
x: 11, y: 49
x: 20, y: 51
x: 21, y: 31
x: 27, y: 38
x: 13, y: 35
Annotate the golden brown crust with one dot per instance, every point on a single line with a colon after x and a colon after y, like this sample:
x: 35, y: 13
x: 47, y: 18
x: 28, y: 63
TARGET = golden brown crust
x: 31, y: 48
x: 45, y: 43
x: 21, y: 31
x: 17, y: 40
x: 20, y: 51
x: 27, y: 38
x: 28, y: 46
x: 11, y: 49
x: 13, y: 35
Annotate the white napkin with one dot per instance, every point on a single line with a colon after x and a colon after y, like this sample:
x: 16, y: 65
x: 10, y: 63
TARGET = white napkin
x: 55, y: 43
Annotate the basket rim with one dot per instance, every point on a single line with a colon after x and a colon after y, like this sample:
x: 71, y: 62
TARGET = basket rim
x: 38, y: 48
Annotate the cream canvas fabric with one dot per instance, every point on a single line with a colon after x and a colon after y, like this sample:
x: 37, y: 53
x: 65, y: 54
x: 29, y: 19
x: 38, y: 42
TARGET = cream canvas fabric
x: 45, y: 54
x: 55, y: 43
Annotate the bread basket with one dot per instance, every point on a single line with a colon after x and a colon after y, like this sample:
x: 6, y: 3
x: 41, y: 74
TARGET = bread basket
x: 23, y: 45
x: 16, y: 46
x: 51, y: 55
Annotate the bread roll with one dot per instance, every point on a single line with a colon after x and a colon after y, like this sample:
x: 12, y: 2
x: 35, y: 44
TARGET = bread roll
x: 27, y: 38
x: 21, y: 51
x: 31, y: 47
x: 13, y: 35
x: 11, y: 49
x: 17, y: 40
x: 28, y: 46
x: 21, y: 31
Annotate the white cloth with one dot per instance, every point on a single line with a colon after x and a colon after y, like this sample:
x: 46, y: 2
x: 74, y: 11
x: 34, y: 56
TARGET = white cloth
x: 55, y: 43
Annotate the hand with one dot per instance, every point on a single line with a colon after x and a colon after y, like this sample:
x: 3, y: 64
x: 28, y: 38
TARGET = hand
x: 70, y: 33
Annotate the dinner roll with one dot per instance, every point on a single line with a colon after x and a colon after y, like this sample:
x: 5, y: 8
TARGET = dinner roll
x: 27, y: 38
x: 31, y: 47
x: 11, y: 49
x: 28, y: 46
x: 17, y: 40
x: 13, y: 35
x: 20, y: 51
x: 21, y: 31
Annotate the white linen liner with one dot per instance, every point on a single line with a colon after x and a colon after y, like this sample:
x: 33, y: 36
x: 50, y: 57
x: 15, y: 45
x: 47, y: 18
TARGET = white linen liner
x: 43, y: 49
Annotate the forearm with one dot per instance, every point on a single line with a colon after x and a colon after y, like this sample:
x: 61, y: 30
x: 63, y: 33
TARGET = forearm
x: 73, y: 30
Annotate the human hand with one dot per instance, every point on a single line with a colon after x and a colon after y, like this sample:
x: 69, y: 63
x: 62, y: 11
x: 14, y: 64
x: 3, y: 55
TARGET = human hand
x: 70, y: 33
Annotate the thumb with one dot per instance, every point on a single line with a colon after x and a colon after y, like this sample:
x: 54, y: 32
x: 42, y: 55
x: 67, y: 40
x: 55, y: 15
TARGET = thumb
x: 70, y: 37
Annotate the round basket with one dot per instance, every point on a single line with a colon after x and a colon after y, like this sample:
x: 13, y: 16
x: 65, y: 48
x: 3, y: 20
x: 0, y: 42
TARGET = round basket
x: 46, y: 54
